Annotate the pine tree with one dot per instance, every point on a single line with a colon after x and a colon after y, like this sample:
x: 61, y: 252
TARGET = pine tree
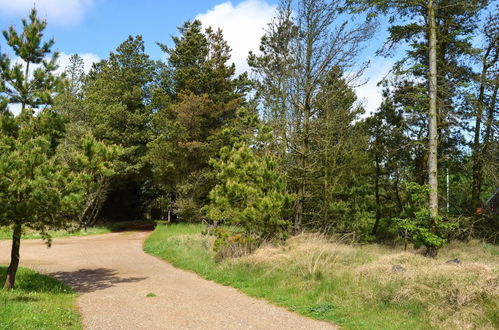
x: 23, y: 82
x: 116, y: 97
x: 251, y: 194
x: 196, y: 102
x: 484, y: 105
x: 438, y: 34
x: 38, y: 190
x: 338, y: 144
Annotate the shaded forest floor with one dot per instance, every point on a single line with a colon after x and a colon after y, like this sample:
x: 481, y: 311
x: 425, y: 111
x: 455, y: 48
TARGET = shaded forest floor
x: 361, y: 287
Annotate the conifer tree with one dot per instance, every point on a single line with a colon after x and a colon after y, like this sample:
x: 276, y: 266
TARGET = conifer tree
x: 31, y: 82
x: 38, y: 190
x: 116, y: 96
x: 251, y: 194
x: 438, y: 35
x: 193, y: 115
x: 484, y: 107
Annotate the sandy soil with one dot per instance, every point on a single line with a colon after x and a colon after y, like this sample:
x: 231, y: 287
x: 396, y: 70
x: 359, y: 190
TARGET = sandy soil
x: 113, y: 276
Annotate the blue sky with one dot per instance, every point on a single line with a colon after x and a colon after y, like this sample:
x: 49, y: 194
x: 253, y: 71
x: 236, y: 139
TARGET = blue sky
x: 93, y: 28
x: 98, y: 26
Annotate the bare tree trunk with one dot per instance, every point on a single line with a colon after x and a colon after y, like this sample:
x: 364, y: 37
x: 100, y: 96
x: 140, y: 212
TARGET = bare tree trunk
x: 433, y: 132
x: 14, y: 257
x: 477, y: 158
x: 433, y: 129
x: 492, y: 109
x: 477, y: 148
x: 376, y: 191
x: 303, y: 175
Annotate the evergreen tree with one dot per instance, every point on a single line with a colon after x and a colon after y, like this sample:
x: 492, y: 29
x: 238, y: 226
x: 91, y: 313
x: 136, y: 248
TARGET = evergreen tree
x: 30, y: 82
x: 116, y: 98
x: 392, y: 154
x: 484, y: 105
x: 191, y: 120
x: 37, y: 189
x: 438, y: 35
x: 251, y: 194
x: 338, y: 142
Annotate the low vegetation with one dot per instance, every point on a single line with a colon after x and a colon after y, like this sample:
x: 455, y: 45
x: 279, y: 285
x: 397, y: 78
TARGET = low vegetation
x: 6, y: 232
x: 37, y: 302
x: 356, y: 287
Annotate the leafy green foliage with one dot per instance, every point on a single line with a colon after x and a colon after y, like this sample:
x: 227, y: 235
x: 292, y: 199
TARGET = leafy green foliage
x: 116, y: 97
x: 251, y: 194
x: 37, y: 187
x: 418, y: 226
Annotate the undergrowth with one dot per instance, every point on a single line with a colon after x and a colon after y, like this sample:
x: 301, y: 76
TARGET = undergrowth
x: 355, y: 287
x: 6, y: 232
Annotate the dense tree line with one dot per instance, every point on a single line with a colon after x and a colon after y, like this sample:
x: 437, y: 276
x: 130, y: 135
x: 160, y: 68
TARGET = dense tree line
x: 282, y: 149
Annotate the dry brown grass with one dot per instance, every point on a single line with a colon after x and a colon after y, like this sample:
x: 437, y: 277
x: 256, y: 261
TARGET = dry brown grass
x: 454, y: 296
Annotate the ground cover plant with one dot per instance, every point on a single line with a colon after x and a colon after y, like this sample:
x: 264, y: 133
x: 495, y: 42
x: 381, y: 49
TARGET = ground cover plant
x: 355, y: 287
x: 105, y: 228
x: 37, y: 302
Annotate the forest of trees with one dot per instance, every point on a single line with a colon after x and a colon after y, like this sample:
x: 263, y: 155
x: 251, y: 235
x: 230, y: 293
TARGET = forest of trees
x: 273, y: 152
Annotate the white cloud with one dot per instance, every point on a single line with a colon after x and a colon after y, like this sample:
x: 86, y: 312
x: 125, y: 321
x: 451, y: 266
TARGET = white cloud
x: 88, y: 60
x: 63, y: 12
x: 370, y: 93
x: 15, y: 108
x: 242, y: 25
x: 63, y: 61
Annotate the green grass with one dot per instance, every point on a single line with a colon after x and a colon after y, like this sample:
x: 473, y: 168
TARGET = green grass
x: 37, y: 302
x: 353, y: 287
x: 6, y: 232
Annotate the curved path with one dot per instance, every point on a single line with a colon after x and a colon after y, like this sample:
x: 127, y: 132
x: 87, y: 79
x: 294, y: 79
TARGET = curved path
x: 113, y: 276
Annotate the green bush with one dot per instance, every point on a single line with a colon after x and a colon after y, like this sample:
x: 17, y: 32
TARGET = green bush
x: 187, y: 209
x: 251, y: 195
x: 416, y: 224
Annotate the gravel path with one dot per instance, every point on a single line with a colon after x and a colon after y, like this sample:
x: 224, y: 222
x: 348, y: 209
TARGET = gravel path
x: 113, y: 276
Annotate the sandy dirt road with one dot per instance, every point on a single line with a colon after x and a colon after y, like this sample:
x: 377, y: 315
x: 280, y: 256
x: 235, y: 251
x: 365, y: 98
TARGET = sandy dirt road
x: 113, y: 276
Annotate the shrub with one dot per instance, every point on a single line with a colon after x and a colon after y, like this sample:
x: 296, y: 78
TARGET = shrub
x: 251, y: 195
x: 187, y: 209
x: 417, y: 226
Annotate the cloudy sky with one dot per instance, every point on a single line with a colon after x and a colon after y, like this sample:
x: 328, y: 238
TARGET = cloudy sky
x: 93, y: 28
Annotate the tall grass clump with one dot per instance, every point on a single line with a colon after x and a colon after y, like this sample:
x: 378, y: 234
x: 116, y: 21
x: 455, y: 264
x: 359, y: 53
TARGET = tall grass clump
x: 357, y: 287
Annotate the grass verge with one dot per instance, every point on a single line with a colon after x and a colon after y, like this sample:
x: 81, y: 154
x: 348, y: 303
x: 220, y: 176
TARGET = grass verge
x: 37, y: 302
x: 354, y: 287
x: 6, y: 232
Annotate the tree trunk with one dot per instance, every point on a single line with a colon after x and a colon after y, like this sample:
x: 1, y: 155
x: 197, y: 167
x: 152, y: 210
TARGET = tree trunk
x: 433, y: 133
x: 376, y: 191
x: 14, y: 257
x: 303, y: 164
x: 477, y: 148
x: 299, y: 212
x: 492, y: 109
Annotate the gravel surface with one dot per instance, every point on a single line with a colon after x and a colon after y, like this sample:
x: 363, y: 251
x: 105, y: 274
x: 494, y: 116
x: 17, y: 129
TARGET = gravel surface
x: 113, y: 276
